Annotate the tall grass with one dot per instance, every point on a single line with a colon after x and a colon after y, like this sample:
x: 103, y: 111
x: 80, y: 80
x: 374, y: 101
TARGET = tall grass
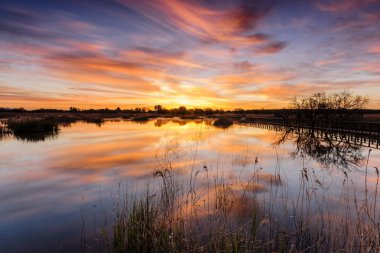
x: 32, y: 129
x: 212, y: 212
x: 4, y: 131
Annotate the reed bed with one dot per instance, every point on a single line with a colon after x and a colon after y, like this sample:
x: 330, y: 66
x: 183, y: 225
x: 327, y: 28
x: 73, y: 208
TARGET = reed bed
x: 209, y: 211
x: 4, y: 131
x: 32, y: 129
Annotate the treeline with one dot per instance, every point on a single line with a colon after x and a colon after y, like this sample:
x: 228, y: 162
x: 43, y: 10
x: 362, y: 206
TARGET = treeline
x: 183, y: 110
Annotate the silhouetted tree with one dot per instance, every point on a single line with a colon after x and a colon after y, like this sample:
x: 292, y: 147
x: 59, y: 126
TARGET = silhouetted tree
x: 328, y: 106
x: 158, y: 108
x: 330, y: 101
x: 238, y: 110
x: 74, y: 109
x: 181, y: 110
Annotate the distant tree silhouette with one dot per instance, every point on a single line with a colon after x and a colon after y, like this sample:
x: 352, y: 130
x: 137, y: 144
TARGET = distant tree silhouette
x: 74, y: 109
x: 238, y: 110
x: 158, y: 108
x: 197, y: 111
x: 182, y: 110
x: 330, y: 101
x: 328, y: 106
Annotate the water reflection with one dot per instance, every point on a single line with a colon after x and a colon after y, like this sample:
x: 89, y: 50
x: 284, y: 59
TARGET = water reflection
x: 49, y: 188
x: 41, y: 129
x: 182, y: 122
x: 327, y: 148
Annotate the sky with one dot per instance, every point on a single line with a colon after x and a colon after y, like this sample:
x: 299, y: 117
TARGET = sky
x: 249, y: 54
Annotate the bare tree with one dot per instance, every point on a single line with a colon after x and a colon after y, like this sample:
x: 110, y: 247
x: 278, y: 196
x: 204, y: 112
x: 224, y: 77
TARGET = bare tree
x: 330, y: 101
x: 158, y: 108
x: 324, y: 106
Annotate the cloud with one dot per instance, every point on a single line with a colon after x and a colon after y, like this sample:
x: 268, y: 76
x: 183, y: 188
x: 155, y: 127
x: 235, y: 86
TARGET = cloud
x: 20, y: 23
x: 375, y: 49
x: 140, y: 62
x: 357, y: 22
x: 96, y: 68
x: 271, y: 48
x: 18, y: 97
x: 158, y: 57
x: 258, y: 38
x: 236, y: 84
x: 232, y: 24
x: 343, y: 5
x: 371, y: 67
x: 174, y: 52
x: 244, y: 66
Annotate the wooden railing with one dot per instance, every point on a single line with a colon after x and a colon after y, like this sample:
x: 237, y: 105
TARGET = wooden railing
x: 355, y: 132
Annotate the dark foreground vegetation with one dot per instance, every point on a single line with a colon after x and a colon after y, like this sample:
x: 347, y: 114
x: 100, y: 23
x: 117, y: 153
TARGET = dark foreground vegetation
x: 210, y: 212
x: 32, y: 128
x: 39, y: 127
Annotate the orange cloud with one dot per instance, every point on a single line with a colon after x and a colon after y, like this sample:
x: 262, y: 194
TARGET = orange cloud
x: 343, y: 5
x: 229, y: 25
x: 271, y: 48
x: 159, y: 58
x: 374, y: 49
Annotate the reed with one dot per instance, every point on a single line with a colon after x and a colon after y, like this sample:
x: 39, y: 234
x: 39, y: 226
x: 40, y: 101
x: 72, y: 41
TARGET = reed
x: 208, y: 211
x: 32, y: 129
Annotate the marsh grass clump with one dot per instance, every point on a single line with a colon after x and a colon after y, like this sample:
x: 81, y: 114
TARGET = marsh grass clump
x: 149, y: 223
x: 190, y: 117
x: 140, y: 118
x: 32, y: 129
x: 159, y: 222
x: 96, y: 121
x: 4, y: 131
x: 64, y: 120
x: 126, y: 116
x: 146, y: 229
x: 223, y: 122
x: 210, y: 212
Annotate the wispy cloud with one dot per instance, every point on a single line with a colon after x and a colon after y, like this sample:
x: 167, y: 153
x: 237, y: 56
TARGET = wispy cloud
x: 235, y: 23
x: 271, y: 48
x: 229, y: 53
x: 343, y: 5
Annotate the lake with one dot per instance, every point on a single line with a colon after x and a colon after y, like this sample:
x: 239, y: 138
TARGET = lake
x: 58, y: 195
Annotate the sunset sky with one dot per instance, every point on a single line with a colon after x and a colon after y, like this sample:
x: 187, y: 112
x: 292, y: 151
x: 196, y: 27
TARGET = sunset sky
x: 197, y: 53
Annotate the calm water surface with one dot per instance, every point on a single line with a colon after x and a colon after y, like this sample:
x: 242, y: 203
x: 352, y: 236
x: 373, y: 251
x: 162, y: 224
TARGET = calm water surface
x: 54, y: 191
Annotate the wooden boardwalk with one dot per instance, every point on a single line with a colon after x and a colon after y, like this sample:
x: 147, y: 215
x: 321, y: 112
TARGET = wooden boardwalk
x: 366, y: 134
